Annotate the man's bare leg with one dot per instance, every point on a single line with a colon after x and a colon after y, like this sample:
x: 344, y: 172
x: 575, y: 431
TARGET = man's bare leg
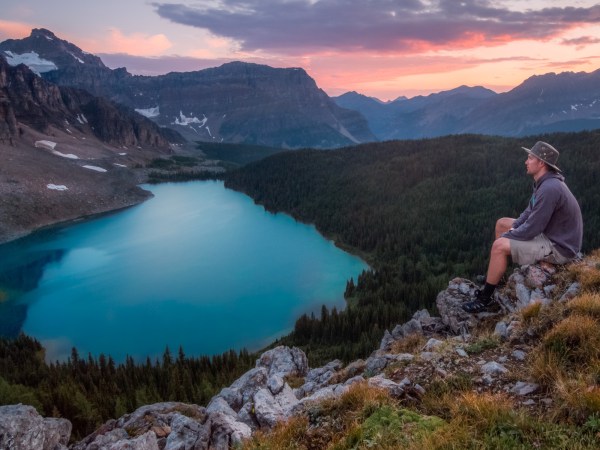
x: 498, y: 260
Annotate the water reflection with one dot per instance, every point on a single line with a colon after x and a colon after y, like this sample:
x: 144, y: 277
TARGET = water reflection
x: 20, y: 273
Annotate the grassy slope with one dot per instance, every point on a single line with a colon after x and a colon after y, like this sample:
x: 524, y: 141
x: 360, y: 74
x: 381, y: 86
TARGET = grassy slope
x: 459, y: 412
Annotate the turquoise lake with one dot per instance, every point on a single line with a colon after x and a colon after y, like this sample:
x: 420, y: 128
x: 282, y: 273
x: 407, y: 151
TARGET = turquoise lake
x: 198, y: 266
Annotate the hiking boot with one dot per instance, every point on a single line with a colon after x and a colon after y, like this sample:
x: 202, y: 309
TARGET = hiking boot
x: 481, y: 303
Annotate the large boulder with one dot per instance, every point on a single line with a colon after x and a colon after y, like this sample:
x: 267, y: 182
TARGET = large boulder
x: 22, y: 428
x: 167, y: 425
x: 284, y: 361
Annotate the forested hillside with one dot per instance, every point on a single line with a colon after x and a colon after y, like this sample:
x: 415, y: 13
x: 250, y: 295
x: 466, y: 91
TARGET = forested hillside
x: 420, y: 212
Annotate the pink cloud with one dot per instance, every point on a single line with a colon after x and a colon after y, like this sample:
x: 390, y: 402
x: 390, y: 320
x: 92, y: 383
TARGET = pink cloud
x: 14, y: 30
x: 139, y: 44
x: 298, y: 27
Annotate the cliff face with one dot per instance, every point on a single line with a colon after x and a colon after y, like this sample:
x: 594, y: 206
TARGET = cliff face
x: 33, y: 101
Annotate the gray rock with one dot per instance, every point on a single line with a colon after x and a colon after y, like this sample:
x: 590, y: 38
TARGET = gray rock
x: 429, y: 356
x: 461, y: 352
x: 226, y: 431
x: 386, y: 341
x: 449, y: 304
x: 420, y: 389
x: 393, y: 388
x: 187, y: 434
x: 103, y: 440
x: 247, y: 385
x: 397, y: 332
x: 284, y: 361
x: 246, y: 415
x: 535, y: 276
x: 401, y: 357
x: 433, y: 344
x: 537, y: 295
x: 233, y: 397
x: 522, y: 388
x: 151, y: 421
x: 571, y: 292
x: 275, y: 384
x: 493, y: 368
x: 146, y: 441
x: 413, y: 326
x: 376, y: 364
x: 519, y: 355
x: 523, y: 295
x: 22, y: 428
x: 501, y: 330
x: 422, y: 315
x: 354, y: 380
x: 549, y: 290
x: 268, y: 412
x: 219, y: 405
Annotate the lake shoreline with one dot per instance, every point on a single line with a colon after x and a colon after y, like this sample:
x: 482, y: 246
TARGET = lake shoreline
x: 197, y: 245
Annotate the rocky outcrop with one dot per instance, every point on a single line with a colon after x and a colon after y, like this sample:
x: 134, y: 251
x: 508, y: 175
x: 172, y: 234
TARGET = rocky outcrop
x: 262, y: 397
x: 22, y: 428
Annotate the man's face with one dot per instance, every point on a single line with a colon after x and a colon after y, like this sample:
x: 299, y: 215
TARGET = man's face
x: 534, y: 165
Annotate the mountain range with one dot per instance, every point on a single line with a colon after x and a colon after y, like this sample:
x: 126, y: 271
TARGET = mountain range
x: 541, y: 104
x: 234, y: 103
x: 260, y: 105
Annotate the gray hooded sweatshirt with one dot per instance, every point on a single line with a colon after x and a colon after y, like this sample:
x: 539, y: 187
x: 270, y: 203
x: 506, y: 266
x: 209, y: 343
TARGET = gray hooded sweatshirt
x: 554, y: 211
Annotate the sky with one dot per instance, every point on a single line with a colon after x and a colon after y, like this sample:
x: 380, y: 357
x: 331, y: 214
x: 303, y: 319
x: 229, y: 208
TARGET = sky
x: 380, y: 48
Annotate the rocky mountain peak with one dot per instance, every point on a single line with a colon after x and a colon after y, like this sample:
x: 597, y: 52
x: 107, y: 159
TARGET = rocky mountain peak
x: 237, y: 102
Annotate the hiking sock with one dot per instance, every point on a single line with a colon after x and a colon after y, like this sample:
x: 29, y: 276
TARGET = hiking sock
x: 488, y: 291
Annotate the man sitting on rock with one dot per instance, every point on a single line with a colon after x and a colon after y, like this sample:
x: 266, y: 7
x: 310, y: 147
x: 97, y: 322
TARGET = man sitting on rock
x: 550, y: 229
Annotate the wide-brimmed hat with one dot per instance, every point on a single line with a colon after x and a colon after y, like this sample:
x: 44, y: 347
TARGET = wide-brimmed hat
x: 545, y: 152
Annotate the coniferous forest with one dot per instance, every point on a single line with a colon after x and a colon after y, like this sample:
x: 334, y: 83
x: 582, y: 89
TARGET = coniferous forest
x: 419, y: 212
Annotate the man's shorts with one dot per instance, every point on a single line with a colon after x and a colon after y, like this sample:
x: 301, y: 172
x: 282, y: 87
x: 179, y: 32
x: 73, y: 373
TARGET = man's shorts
x: 540, y: 248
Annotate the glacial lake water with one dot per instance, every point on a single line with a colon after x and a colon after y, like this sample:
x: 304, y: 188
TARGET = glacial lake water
x: 198, y: 265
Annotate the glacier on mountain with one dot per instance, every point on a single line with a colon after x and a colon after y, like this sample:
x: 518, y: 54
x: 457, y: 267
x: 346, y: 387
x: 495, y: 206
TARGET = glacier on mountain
x: 32, y: 60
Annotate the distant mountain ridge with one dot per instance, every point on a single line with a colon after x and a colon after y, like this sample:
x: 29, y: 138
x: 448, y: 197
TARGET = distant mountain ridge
x: 236, y: 102
x: 544, y: 103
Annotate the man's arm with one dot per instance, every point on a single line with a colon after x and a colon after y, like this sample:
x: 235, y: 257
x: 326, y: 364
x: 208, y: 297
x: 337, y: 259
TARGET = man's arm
x: 538, y: 217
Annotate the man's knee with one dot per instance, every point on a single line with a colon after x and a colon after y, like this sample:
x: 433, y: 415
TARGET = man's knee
x: 501, y: 246
x: 503, y: 225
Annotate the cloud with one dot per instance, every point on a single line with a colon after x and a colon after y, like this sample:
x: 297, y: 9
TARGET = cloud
x: 581, y: 42
x: 14, y: 30
x: 141, y: 44
x: 142, y: 65
x: 301, y: 26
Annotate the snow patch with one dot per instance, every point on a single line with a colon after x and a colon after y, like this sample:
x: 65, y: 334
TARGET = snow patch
x: 77, y: 58
x: 65, y: 155
x: 96, y: 168
x: 122, y: 154
x: 183, y: 120
x: 149, y: 112
x: 81, y: 119
x: 32, y: 60
x: 573, y: 107
x: 49, y: 145
x: 57, y: 187
x: 119, y: 165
